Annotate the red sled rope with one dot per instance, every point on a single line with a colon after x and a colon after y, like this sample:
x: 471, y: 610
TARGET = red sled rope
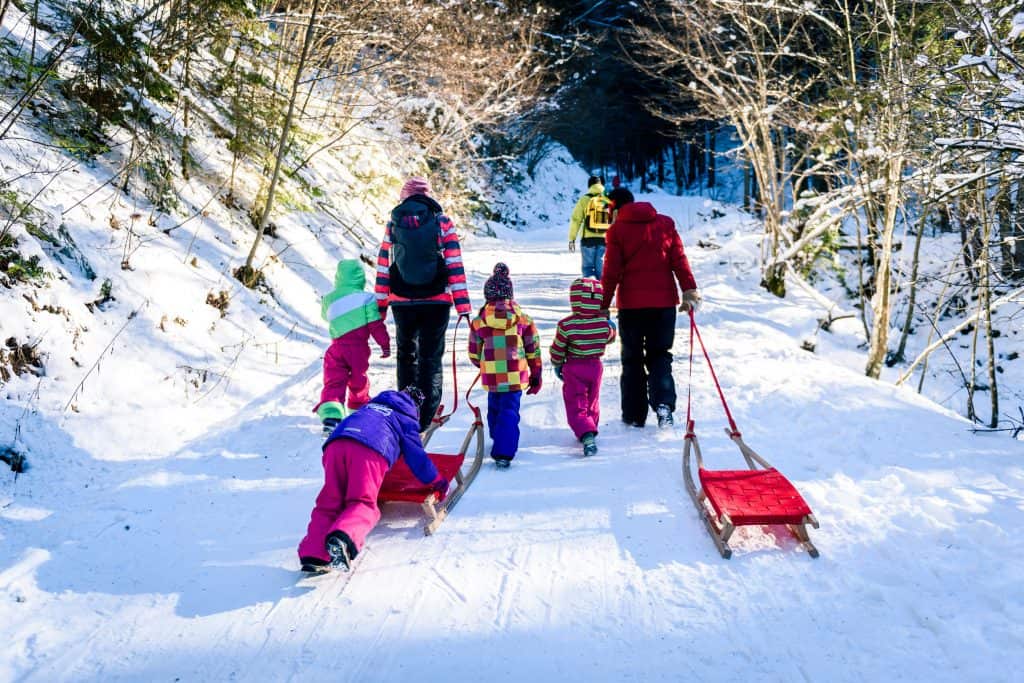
x: 729, y: 498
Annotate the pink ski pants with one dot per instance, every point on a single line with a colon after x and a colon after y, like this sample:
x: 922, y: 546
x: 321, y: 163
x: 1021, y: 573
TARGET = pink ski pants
x: 345, y: 366
x: 581, y: 391
x: 348, y: 501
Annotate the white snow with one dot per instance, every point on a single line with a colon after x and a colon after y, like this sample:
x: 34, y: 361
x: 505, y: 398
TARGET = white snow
x: 151, y: 545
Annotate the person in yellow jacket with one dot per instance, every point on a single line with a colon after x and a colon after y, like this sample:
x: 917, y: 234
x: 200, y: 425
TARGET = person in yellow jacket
x: 591, y: 217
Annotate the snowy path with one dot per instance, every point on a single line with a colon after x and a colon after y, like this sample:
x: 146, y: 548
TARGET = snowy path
x: 183, y: 568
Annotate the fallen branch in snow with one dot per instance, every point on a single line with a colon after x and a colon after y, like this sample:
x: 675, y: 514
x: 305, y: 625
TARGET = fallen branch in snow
x: 106, y: 349
x: 949, y: 334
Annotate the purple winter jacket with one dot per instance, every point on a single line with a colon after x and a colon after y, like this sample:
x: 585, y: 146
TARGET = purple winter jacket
x: 389, y: 425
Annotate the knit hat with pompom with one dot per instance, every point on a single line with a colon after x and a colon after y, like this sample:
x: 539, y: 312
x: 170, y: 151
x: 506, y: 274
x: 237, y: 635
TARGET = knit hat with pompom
x: 498, y: 285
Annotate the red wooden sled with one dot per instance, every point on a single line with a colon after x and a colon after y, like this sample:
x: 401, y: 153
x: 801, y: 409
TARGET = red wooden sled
x: 727, y: 499
x: 401, y: 485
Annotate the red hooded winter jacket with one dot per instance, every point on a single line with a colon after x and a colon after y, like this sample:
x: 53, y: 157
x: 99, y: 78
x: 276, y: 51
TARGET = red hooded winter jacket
x: 644, y: 260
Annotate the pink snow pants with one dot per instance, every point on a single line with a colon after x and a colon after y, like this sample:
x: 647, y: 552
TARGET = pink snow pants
x: 581, y: 391
x: 345, y: 366
x: 353, y: 474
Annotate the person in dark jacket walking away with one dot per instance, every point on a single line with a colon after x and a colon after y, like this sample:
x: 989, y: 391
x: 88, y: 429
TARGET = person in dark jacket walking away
x: 356, y: 457
x: 580, y: 340
x: 353, y: 317
x: 504, y: 344
x: 592, y: 217
x: 644, y: 263
x: 420, y: 274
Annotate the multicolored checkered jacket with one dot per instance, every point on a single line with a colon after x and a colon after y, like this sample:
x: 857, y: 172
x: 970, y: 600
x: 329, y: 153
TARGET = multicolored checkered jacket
x: 504, y: 344
x: 586, y: 332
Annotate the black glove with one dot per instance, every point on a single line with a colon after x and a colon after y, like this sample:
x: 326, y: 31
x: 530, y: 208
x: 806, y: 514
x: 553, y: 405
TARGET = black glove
x: 558, y: 372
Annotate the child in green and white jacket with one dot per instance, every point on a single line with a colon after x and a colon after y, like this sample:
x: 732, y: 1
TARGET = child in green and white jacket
x: 353, y: 316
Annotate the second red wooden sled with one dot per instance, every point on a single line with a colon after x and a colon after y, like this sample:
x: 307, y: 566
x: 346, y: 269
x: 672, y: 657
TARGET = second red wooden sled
x: 758, y: 495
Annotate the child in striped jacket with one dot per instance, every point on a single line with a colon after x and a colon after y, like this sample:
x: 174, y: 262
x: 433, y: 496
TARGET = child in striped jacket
x: 580, y: 340
x: 504, y: 344
x: 353, y: 317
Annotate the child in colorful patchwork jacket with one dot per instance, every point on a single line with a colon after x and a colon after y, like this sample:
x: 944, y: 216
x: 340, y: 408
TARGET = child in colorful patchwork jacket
x: 504, y: 344
x: 354, y: 317
x: 580, y: 341
x: 356, y: 457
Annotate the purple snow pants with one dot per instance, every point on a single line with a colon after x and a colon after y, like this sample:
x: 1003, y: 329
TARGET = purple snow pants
x: 348, y: 501
x: 345, y: 366
x: 581, y: 391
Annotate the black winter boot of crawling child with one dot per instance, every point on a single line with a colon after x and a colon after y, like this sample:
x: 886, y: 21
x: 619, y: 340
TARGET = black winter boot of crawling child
x: 314, y: 565
x: 341, y: 549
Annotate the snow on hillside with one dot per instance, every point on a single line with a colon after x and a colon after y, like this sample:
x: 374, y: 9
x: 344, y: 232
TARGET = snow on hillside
x: 154, y: 538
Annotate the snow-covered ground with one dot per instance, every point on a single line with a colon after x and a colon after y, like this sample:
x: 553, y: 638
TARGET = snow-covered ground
x: 160, y: 544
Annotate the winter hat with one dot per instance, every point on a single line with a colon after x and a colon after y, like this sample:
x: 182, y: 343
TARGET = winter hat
x: 498, y: 285
x: 593, y: 180
x: 620, y: 196
x: 415, y: 394
x: 616, y: 181
x: 414, y: 185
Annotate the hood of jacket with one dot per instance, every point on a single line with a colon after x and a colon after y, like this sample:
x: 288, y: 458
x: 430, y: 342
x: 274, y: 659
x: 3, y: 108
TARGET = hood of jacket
x: 501, y: 315
x: 398, y: 401
x: 349, y: 277
x: 596, y: 188
x: 637, y: 212
x: 420, y: 203
x: 585, y: 296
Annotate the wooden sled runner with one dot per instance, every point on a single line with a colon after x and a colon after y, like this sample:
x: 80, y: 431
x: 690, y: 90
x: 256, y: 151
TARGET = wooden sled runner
x: 726, y: 499
x: 401, y: 485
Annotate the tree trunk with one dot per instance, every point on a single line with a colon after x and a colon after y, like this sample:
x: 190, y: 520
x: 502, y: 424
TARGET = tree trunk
x: 986, y: 294
x: 883, y: 273
x: 186, y: 109
x: 900, y: 354
x: 248, y: 276
x: 711, y: 156
x: 746, y: 186
x: 699, y: 159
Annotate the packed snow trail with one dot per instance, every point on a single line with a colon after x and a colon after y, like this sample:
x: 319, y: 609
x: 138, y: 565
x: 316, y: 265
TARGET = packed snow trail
x: 183, y: 567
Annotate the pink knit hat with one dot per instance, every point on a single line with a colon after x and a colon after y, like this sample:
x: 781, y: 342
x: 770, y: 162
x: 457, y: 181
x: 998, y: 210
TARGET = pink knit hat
x: 414, y: 185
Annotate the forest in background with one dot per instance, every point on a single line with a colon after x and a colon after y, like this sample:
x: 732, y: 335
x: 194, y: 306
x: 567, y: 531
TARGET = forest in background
x: 861, y: 129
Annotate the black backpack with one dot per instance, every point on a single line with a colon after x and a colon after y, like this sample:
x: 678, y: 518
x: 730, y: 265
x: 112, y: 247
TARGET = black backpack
x: 418, y: 270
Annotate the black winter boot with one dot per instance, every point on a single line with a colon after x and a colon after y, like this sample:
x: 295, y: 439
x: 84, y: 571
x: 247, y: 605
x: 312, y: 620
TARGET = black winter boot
x: 341, y: 549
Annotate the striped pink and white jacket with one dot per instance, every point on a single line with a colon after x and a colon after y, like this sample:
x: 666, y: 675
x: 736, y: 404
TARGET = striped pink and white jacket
x: 457, y: 292
x: 586, y: 332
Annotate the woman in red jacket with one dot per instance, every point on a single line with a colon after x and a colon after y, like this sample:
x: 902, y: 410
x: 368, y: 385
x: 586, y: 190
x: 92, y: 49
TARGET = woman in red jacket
x: 643, y: 263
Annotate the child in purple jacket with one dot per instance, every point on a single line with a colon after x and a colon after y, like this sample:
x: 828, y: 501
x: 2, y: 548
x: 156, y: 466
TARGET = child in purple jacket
x: 356, y: 457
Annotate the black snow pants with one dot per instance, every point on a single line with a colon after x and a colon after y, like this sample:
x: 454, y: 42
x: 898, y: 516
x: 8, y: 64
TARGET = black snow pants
x: 420, y: 337
x: 646, y: 335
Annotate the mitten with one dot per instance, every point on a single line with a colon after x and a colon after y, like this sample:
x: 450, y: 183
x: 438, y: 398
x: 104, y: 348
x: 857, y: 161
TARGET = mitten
x: 535, y: 381
x: 558, y: 372
x: 691, y: 301
x: 440, y: 487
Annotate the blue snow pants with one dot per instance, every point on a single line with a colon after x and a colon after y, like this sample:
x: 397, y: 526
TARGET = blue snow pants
x: 593, y: 260
x: 503, y: 423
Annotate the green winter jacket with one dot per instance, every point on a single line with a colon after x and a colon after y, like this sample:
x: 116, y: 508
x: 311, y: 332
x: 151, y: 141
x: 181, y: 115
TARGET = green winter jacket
x: 348, y: 307
x: 579, y: 213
